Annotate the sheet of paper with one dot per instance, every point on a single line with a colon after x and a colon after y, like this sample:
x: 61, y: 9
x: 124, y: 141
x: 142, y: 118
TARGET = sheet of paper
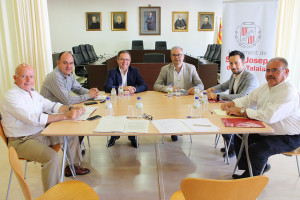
x: 87, y: 113
x: 111, y: 125
x: 99, y: 98
x: 136, y: 126
x: 218, y: 111
x: 170, y: 126
x: 200, y: 125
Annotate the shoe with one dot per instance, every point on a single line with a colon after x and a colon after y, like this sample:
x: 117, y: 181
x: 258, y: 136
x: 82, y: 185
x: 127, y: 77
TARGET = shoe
x: 244, y: 175
x: 222, y: 150
x: 174, y: 138
x: 267, y: 168
x: 230, y: 154
x: 134, y: 143
x: 78, y: 171
x: 112, y: 141
x: 83, y: 152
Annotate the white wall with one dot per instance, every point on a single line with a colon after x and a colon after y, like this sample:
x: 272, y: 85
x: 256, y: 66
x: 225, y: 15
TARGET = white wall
x: 67, y: 25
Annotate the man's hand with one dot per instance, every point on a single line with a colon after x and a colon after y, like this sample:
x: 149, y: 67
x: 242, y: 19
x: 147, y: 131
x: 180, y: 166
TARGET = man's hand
x: 191, y: 91
x: 175, y: 88
x: 131, y: 89
x: 227, y: 105
x: 94, y: 92
x: 75, y: 112
x: 210, y: 94
x: 234, y: 111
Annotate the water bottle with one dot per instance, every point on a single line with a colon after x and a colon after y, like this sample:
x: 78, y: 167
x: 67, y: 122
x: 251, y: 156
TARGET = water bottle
x: 139, y: 107
x: 170, y: 90
x: 196, y: 107
x: 205, y: 101
x: 120, y: 91
x: 108, y: 107
x: 196, y: 91
x: 113, y: 94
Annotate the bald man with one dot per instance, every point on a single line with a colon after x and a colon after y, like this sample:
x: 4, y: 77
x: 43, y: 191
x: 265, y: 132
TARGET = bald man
x: 25, y: 113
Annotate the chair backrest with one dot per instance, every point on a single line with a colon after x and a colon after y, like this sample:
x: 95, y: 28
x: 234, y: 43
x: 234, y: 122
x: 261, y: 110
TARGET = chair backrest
x: 246, y: 189
x: 217, y: 52
x: 84, y: 53
x: 16, y: 166
x: 137, y: 45
x: 160, y: 45
x: 3, y: 135
x: 89, y: 51
x: 212, y: 51
x: 154, y: 58
x: 207, y: 51
x: 79, y: 57
x: 93, y: 51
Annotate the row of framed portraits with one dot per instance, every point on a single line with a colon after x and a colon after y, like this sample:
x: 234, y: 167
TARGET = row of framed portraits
x: 150, y: 21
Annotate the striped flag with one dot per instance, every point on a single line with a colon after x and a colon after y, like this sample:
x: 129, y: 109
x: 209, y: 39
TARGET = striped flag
x: 220, y: 33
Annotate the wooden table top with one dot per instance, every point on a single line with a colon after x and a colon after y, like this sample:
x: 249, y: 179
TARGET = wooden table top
x: 156, y: 104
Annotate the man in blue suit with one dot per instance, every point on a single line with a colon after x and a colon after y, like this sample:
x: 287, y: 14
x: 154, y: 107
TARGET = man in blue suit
x: 129, y: 78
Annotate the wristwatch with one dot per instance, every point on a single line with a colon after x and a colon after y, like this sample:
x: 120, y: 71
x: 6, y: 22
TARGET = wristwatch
x: 218, y: 97
x: 242, y: 111
x: 70, y: 108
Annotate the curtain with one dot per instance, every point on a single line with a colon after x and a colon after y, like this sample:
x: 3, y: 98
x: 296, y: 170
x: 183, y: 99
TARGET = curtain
x: 288, y: 37
x: 25, y: 38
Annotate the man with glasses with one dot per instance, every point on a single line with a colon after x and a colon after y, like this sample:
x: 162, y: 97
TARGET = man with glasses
x: 277, y: 104
x: 241, y: 83
x: 183, y: 76
x: 128, y: 77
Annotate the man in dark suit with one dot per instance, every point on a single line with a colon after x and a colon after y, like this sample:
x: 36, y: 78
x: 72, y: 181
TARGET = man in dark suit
x: 129, y: 78
x: 240, y: 84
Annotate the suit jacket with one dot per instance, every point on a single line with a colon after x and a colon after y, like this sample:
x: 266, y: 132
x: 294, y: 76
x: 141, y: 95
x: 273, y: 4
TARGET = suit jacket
x: 134, y: 79
x: 247, y: 83
x: 166, y: 76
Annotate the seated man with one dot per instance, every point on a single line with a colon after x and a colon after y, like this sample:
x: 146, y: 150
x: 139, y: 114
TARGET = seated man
x: 277, y: 103
x: 23, y: 118
x: 60, y: 82
x: 182, y: 76
x: 241, y: 83
x: 131, y: 80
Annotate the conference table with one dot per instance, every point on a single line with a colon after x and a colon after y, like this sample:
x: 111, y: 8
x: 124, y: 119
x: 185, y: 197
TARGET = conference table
x: 159, y: 106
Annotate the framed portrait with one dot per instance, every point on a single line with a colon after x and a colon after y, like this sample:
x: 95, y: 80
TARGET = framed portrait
x: 206, y: 21
x: 180, y: 21
x: 93, y: 21
x: 149, y: 20
x: 119, y: 21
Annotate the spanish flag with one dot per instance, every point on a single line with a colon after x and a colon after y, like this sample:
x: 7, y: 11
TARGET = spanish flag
x: 220, y: 33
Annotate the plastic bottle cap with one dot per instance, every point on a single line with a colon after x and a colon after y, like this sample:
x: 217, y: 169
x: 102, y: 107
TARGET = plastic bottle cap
x: 170, y: 83
x: 113, y: 86
x: 107, y: 98
x: 204, y: 93
x: 139, y: 98
x: 196, y: 97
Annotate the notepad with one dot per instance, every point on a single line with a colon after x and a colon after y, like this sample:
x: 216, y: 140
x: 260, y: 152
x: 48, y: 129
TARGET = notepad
x: 218, y: 111
x: 242, y: 123
x: 87, y: 113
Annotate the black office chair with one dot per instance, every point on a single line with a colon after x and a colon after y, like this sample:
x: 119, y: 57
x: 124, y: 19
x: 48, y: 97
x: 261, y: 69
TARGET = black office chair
x: 212, y: 51
x: 137, y: 45
x: 85, y: 54
x: 93, y: 52
x: 90, y: 52
x: 154, y: 58
x: 80, y: 65
x: 216, y: 53
x: 160, y: 45
x: 207, y: 51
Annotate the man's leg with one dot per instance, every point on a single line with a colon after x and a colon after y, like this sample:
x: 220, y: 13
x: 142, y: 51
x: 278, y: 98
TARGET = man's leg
x: 36, y: 148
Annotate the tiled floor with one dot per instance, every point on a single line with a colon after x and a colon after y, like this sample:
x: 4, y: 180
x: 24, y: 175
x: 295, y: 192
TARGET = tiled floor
x: 154, y: 170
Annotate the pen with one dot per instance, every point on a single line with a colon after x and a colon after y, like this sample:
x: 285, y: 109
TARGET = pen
x: 131, y: 117
x: 192, y: 117
x: 201, y: 125
x: 210, y: 111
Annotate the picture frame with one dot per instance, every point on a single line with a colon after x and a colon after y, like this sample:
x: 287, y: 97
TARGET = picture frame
x: 119, y: 21
x: 150, y: 20
x: 206, y: 21
x: 93, y: 21
x: 180, y: 21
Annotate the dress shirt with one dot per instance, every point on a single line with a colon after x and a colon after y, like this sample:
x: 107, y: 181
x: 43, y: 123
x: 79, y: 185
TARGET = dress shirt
x: 236, y: 82
x: 124, y: 77
x: 24, y: 115
x: 277, y: 106
x: 179, y: 77
x: 57, y: 88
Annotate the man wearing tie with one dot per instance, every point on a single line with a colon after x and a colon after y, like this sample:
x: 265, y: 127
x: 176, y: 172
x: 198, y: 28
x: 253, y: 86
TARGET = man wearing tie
x: 240, y: 84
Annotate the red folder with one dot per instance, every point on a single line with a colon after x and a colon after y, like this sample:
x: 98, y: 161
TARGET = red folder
x: 215, y: 101
x: 242, y: 123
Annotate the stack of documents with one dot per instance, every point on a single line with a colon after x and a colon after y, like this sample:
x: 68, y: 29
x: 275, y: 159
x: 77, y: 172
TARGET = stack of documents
x: 121, y: 124
x: 184, y: 125
x: 100, y: 98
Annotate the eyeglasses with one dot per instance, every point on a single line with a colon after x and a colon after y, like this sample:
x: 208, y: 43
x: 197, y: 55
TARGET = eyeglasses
x: 124, y: 59
x: 148, y: 117
x: 179, y: 55
x: 274, y: 69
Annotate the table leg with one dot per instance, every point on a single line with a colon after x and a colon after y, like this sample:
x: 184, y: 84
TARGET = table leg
x: 245, y: 138
x: 64, y: 160
x: 240, y: 153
